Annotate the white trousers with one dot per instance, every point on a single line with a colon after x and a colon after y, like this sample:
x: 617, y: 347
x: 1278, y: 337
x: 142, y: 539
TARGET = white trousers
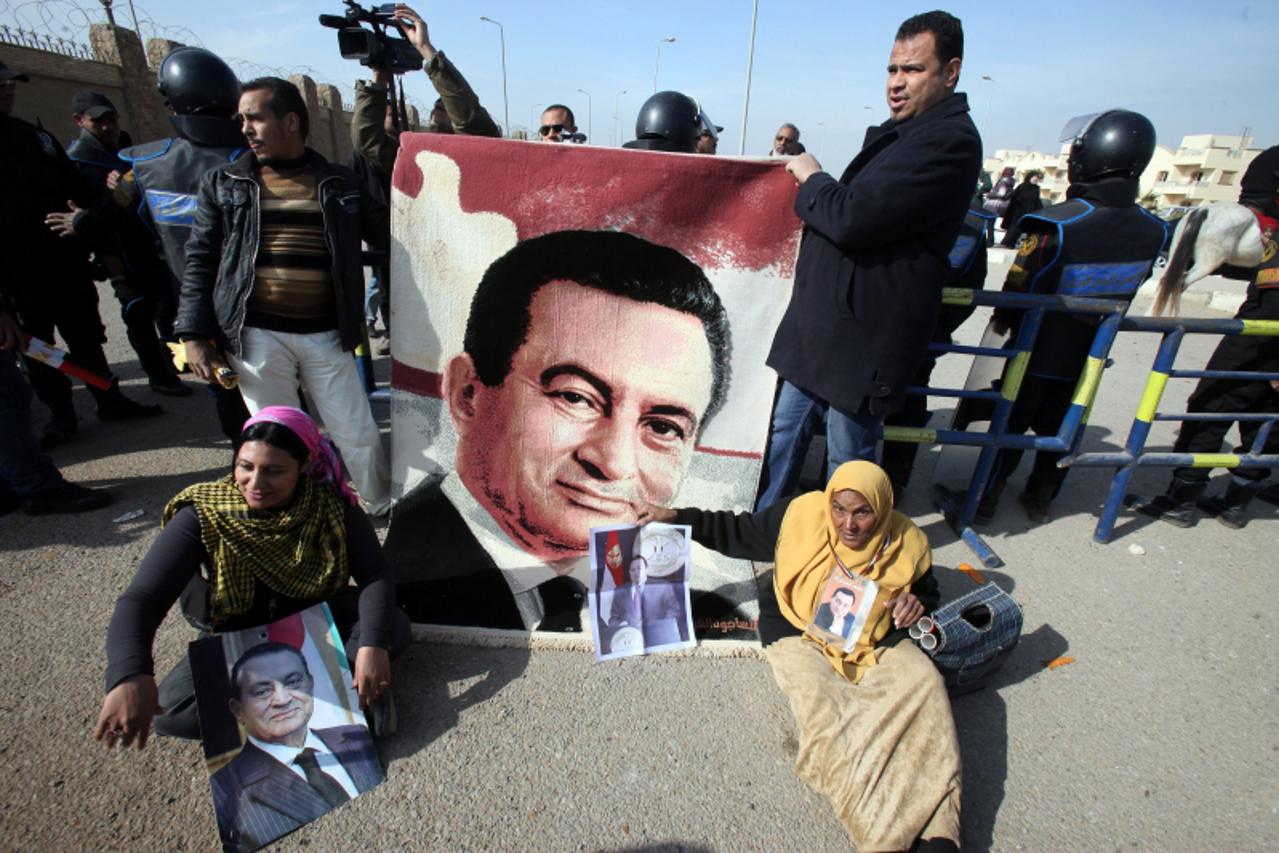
x: 274, y: 364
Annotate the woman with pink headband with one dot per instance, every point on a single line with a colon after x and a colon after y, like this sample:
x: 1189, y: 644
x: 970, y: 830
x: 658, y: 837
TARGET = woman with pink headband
x: 281, y: 533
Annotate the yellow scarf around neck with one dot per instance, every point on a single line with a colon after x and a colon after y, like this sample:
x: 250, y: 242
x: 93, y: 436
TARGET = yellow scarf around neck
x: 807, y: 547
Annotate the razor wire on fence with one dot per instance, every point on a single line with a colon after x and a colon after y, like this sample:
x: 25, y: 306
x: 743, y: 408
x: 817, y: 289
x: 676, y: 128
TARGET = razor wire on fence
x: 70, y: 20
x: 43, y: 41
x: 62, y: 27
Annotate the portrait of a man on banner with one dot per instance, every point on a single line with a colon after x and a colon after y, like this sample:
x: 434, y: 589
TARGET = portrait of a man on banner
x: 588, y: 336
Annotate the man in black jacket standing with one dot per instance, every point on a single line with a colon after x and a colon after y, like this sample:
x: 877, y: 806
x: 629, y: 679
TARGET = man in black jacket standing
x: 273, y: 275
x: 873, y: 259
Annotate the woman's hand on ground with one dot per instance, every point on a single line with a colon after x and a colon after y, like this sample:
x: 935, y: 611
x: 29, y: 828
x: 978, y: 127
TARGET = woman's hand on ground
x: 906, y: 610
x: 372, y: 674
x: 652, y: 512
x: 127, y: 712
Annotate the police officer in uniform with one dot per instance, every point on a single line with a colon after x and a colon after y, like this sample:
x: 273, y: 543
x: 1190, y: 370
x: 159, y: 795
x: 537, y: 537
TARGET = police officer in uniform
x: 667, y: 121
x: 127, y: 258
x: 1099, y: 244
x: 49, y: 281
x: 1259, y: 191
x: 204, y: 94
x: 968, y: 270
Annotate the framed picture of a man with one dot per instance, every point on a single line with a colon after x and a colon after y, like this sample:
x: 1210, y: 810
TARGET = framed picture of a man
x: 843, y: 608
x: 284, y: 740
x: 582, y: 344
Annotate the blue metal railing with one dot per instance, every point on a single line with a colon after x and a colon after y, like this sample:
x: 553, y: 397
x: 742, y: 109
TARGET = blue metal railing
x: 1134, y: 456
x: 996, y: 437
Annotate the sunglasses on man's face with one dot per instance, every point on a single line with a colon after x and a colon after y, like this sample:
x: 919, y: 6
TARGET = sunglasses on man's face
x: 782, y: 139
x: 548, y: 129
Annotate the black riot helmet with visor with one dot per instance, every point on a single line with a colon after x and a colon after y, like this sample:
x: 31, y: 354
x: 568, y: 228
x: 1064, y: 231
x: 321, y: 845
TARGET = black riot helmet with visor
x: 204, y: 94
x: 1110, y: 144
x: 668, y: 121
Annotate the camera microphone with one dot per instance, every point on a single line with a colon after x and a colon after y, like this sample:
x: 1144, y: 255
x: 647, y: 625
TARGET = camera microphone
x: 337, y: 22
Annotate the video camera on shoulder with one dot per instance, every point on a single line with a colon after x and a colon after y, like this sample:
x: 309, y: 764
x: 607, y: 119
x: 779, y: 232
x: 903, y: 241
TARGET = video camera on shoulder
x: 373, y: 47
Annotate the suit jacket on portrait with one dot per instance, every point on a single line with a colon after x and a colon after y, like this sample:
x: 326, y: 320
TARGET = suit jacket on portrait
x: 825, y: 618
x: 445, y: 577
x: 257, y: 799
x: 660, y: 615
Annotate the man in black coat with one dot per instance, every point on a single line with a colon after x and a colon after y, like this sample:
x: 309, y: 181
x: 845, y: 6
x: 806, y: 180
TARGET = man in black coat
x: 873, y: 259
x: 48, y: 280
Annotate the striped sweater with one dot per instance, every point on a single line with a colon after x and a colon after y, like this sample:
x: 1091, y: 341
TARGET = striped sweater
x: 292, y: 279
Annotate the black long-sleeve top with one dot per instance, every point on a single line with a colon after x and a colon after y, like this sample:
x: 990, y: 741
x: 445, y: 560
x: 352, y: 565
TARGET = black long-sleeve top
x: 753, y: 536
x: 175, y: 559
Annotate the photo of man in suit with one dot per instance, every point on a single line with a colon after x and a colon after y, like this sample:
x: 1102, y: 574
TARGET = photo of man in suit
x: 287, y: 774
x: 591, y: 360
x: 836, y: 615
x: 650, y: 604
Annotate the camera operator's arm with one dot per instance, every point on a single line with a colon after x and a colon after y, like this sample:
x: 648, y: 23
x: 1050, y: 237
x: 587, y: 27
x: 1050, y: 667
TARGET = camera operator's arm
x: 460, y: 101
x: 368, y: 123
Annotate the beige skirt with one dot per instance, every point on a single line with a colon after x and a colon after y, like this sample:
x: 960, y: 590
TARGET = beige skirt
x: 884, y: 751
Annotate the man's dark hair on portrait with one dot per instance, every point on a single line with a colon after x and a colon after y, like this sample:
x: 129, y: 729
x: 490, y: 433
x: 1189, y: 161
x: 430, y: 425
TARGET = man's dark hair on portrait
x: 611, y: 261
x: 257, y: 652
x: 285, y: 98
x: 948, y: 33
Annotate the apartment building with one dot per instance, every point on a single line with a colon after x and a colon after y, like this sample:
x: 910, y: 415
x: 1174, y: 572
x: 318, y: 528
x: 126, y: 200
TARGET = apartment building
x: 1204, y: 168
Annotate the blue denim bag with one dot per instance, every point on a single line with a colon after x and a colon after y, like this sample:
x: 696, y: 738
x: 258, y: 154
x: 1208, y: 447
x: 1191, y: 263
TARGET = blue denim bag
x: 975, y: 634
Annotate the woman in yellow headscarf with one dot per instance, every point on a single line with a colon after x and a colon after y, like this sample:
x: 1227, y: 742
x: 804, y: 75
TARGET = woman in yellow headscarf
x: 876, y: 735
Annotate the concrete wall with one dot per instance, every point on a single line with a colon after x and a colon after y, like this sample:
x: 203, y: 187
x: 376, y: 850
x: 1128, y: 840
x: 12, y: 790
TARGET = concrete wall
x: 126, y: 73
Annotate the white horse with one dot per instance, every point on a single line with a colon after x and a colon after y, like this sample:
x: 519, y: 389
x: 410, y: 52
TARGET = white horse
x: 1212, y: 235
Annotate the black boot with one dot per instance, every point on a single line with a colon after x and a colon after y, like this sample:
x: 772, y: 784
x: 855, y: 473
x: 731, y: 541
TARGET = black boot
x: 986, y: 509
x: 62, y: 426
x: 114, y: 406
x: 1229, y: 508
x: 1177, y: 506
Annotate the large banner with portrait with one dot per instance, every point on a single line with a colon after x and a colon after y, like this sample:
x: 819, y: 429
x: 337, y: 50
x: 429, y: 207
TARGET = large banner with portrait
x: 576, y: 331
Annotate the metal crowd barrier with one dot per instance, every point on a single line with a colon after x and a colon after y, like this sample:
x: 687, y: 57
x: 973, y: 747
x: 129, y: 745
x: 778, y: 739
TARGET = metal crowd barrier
x: 1133, y: 456
x: 1071, y: 431
x: 1018, y: 355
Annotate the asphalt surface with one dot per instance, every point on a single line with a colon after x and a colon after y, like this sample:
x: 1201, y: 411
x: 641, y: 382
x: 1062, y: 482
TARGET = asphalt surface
x: 1161, y: 735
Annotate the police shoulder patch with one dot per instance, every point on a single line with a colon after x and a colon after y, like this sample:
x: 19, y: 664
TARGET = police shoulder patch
x: 1028, y: 244
x: 1267, y: 250
x: 47, y: 145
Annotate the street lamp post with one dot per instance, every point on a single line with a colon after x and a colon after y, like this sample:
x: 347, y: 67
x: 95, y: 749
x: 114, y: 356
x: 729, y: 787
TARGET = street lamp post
x: 991, y: 81
x: 750, y: 65
x: 658, y: 62
x: 590, y: 129
x: 501, y: 32
x: 617, y: 116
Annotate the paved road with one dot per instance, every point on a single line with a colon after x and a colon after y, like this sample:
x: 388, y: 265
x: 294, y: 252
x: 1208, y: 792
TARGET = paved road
x: 1161, y: 736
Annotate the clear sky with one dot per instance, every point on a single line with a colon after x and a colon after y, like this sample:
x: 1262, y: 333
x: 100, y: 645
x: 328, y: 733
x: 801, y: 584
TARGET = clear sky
x: 1191, y: 67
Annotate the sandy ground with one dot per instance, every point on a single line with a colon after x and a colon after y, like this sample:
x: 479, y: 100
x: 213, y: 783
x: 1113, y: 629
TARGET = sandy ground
x: 1160, y: 736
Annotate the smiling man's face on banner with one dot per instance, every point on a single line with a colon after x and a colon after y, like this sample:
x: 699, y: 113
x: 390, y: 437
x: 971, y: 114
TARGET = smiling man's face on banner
x: 599, y: 412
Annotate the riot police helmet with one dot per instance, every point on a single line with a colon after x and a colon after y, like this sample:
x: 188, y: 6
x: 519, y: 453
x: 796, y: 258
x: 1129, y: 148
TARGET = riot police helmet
x: 1114, y: 143
x: 196, y: 82
x: 668, y: 121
